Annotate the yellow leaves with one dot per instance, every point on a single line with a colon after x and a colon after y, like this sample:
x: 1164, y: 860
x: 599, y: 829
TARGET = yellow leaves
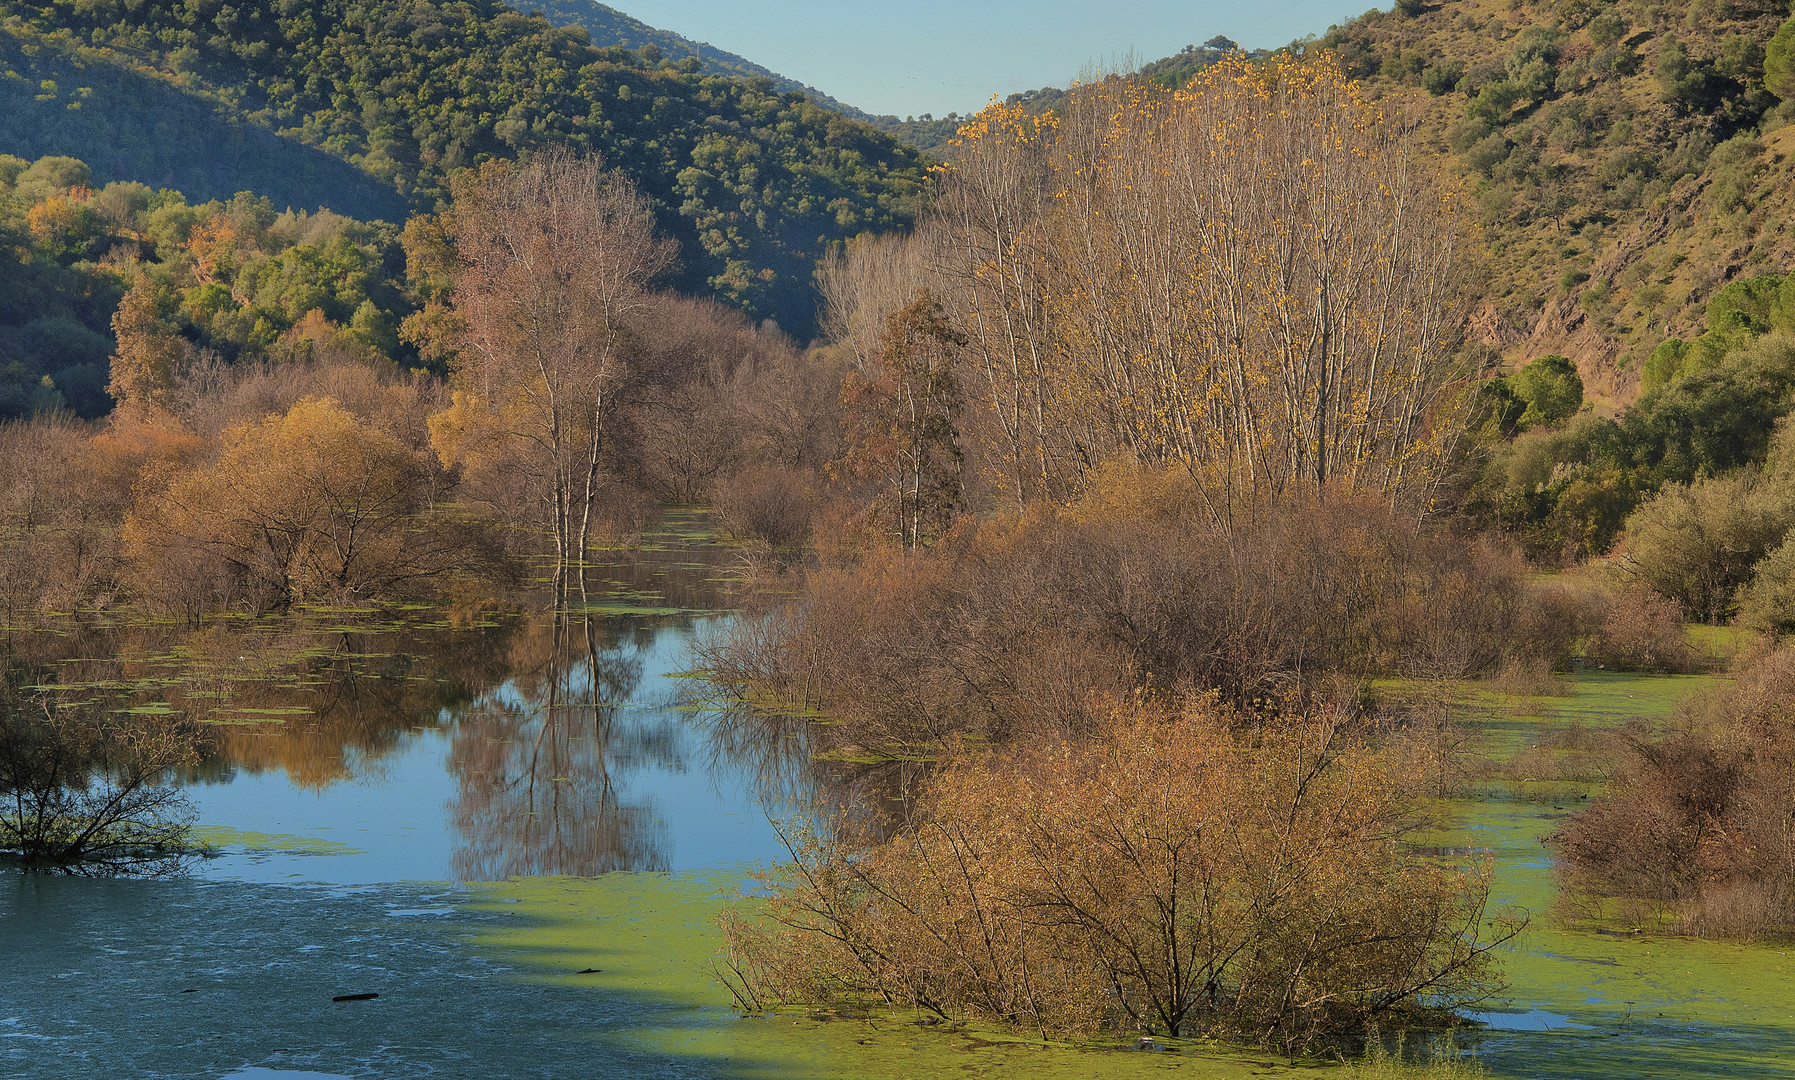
x: 450, y: 428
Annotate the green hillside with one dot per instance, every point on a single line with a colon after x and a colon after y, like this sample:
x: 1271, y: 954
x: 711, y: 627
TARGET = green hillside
x: 608, y: 26
x: 1624, y: 162
x: 754, y: 184
x: 229, y: 281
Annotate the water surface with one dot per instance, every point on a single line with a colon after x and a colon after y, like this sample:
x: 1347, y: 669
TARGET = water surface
x: 515, y: 829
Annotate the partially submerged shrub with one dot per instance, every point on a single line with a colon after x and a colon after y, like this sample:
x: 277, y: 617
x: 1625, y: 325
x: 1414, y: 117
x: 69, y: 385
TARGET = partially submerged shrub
x: 1700, y: 825
x: 769, y: 503
x: 83, y: 790
x: 1643, y: 632
x: 1010, y: 625
x: 1186, y: 874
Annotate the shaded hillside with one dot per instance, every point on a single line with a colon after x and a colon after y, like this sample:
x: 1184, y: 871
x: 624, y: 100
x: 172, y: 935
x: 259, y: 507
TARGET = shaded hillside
x: 753, y: 184
x: 608, y: 26
x: 135, y: 125
x: 1623, y: 161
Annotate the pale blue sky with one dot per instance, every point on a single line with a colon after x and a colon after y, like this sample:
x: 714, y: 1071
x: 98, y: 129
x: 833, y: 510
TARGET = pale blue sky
x: 941, y: 56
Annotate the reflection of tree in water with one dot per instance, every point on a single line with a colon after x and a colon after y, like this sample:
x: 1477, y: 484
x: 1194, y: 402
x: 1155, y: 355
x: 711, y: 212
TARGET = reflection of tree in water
x: 538, y: 759
x: 318, y: 698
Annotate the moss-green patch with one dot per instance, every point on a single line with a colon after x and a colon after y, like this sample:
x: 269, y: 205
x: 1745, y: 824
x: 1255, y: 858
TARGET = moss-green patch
x: 1609, y: 1003
x: 219, y: 836
x: 652, y: 937
x: 1718, y: 643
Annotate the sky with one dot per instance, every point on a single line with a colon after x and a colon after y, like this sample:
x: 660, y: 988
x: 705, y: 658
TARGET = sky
x: 910, y: 57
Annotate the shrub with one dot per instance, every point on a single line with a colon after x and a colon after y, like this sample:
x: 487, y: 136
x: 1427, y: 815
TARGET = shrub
x: 1011, y: 625
x: 1767, y: 602
x: 1173, y: 874
x: 1698, y: 826
x: 1697, y: 543
x: 81, y: 789
x: 1643, y: 631
x: 1552, y: 390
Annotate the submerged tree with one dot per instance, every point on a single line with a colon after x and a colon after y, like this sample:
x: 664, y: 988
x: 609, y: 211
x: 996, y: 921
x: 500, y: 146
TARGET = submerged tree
x: 84, y: 791
x: 552, y: 258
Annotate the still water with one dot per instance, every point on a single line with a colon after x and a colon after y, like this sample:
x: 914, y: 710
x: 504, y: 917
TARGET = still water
x: 515, y: 829
x: 370, y: 774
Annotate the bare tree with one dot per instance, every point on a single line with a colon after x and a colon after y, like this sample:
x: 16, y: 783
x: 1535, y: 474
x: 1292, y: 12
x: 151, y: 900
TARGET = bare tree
x: 84, y: 791
x: 554, y: 256
x: 1252, y: 278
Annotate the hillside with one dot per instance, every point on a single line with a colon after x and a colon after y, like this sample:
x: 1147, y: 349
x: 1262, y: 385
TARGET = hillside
x: 1624, y: 162
x: 88, y: 272
x: 608, y: 26
x: 754, y: 184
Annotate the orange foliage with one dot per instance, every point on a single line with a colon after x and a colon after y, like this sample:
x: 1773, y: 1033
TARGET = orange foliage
x: 313, y: 503
x: 1183, y: 874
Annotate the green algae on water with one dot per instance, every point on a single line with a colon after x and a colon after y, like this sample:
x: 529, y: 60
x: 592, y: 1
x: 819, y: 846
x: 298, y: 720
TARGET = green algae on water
x: 653, y: 937
x: 222, y: 836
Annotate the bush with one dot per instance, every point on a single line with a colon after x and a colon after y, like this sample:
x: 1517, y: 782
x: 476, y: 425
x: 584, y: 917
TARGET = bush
x: 1697, y: 826
x: 1010, y: 626
x: 1442, y: 78
x: 81, y: 789
x: 1642, y: 632
x: 1552, y: 390
x: 769, y: 503
x: 1170, y: 875
x: 1697, y: 543
x: 1767, y: 602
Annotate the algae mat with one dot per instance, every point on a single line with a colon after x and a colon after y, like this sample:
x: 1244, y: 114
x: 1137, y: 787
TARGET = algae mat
x: 650, y: 937
x: 1589, y: 1004
x: 1581, y: 1004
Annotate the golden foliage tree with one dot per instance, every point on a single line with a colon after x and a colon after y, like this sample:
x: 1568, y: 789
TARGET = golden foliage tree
x: 150, y: 354
x: 315, y: 502
x: 1252, y: 277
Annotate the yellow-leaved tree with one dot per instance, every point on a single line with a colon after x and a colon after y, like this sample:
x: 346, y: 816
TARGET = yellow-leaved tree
x: 316, y: 502
x: 1252, y: 277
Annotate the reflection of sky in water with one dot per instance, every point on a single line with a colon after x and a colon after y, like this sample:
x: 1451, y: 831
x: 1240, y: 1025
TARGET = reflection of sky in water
x: 230, y: 972
x: 395, y: 811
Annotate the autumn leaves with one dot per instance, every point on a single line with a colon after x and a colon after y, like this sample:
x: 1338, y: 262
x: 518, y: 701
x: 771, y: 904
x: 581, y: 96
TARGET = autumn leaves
x: 1251, y: 278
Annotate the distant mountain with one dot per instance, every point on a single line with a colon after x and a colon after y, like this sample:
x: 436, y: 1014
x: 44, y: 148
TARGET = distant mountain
x: 608, y: 26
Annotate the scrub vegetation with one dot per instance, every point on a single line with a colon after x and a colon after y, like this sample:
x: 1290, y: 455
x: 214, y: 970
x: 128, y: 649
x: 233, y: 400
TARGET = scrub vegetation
x: 85, y: 790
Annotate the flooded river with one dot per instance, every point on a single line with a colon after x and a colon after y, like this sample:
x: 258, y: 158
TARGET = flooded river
x: 515, y: 830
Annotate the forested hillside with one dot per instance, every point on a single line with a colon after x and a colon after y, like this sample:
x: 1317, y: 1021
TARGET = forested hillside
x: 1625, y: 161
x: 97, y: 280
x: 608, y: 26
x: 752, y: 183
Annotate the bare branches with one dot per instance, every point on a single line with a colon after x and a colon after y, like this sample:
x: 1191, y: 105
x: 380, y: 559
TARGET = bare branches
x: 82, y: 791
x: 1171, y: 874
x: 554, y: 257
x: 1251, y: 278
